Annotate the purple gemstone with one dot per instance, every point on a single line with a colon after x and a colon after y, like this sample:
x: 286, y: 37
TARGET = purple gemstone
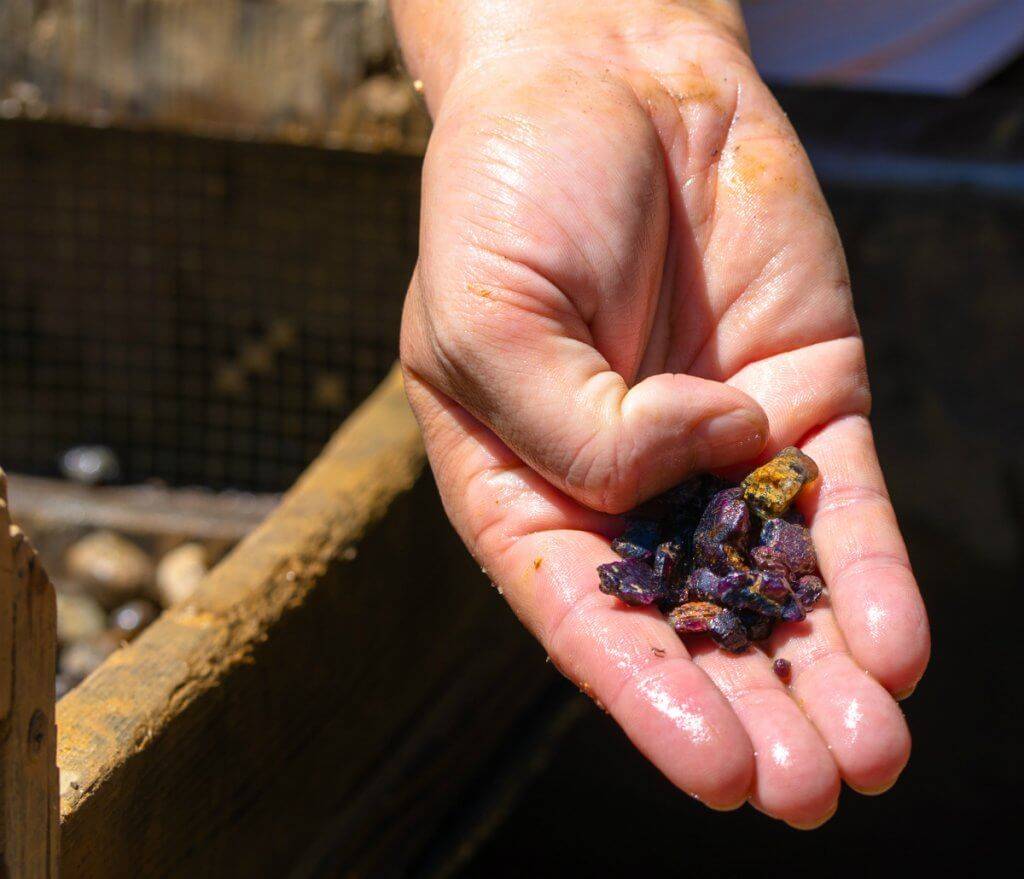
x: 693, y: 617
x: 741, y: 590
x: 782, y: 668
x: 721, y: 588
x: 764, y: 558
x: 790, y: 545
x: 726, y: 517
x: 696, y: 617
x: 638, y: 540
x: 669, y: 562
x: 759, y: 628
x: 808, y: 590
x: 702, y: 584
x: 728, y: 631
x: 774, y: 587
x: 723, y: 532
x: 630, y: 580
x: 723, y: 558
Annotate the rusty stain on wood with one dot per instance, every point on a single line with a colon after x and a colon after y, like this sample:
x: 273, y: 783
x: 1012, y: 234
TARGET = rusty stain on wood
x: 28, y: 768
x: 216, y: 740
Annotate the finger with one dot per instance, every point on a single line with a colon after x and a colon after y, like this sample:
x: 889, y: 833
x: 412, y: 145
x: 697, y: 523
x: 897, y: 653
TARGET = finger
x: 802, y: 389
x: 634, y: 666
x: 862, y: 556
x: 536, y: 380
x: 796, y: 779
x: 527, y: 535
x: 863, y: 727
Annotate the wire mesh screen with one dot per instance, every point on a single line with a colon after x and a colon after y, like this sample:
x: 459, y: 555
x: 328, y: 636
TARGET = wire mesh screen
x: 210, y: 310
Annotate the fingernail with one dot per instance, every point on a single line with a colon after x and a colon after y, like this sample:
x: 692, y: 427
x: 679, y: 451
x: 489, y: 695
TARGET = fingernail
x: 876, y: 791
x: 814, y: 825
x: 733, y: 436
x: 732, y: 807
x: 905, y: 694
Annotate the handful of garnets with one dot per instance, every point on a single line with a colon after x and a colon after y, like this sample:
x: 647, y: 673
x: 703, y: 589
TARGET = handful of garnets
x: 729, y: 561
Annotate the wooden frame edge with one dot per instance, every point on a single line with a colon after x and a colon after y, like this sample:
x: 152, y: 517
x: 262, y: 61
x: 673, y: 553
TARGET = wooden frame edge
x: 117, y: 712
x: 29, y: 829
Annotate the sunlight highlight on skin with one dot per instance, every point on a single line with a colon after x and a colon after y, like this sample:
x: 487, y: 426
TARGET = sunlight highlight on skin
x: 876, y: 615
x: 680, y: 712
x: 852, y: 719
x: 780, y: 755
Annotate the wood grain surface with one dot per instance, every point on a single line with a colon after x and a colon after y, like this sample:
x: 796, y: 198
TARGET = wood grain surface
x: 28, y: 769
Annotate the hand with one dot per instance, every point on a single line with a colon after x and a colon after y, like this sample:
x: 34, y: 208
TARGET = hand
x: 628, y: 273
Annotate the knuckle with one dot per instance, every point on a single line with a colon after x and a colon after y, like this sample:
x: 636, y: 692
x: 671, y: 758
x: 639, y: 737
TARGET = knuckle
x: 850, y: 392
x: 408, y: 347
x: 452, y: 344
x: 859, y: 387
x: 441, y: 345
x: 441, y: 334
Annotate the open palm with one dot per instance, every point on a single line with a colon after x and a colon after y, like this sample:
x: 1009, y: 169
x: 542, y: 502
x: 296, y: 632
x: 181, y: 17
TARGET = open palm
x: 628, y: 273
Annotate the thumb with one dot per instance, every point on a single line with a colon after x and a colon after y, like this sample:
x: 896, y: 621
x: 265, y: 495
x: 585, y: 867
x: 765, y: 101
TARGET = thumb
x: 536, y: 380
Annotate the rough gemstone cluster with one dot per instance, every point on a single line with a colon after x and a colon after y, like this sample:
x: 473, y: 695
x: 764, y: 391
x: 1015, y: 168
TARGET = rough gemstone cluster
x: 728, y: 561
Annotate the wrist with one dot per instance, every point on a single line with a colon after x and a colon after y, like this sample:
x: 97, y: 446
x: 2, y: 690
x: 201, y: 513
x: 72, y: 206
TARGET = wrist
x: 446, y: 39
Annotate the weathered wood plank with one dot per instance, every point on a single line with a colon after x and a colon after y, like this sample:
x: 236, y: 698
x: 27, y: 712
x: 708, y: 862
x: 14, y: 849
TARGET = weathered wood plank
x: 348, y: 635
x: 28, y: 768
x: 52, y: 504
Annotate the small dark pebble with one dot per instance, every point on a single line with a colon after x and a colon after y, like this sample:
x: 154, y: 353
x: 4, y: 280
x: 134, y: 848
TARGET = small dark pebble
x: 726, y: 561
x: 783, y: 669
